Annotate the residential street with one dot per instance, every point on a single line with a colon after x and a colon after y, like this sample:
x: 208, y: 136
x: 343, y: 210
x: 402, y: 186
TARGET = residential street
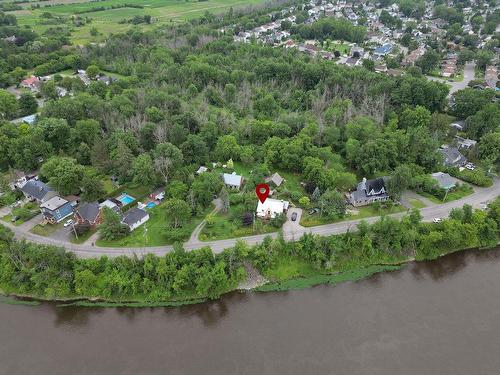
x: 469, y: 75
x: 291, y: 230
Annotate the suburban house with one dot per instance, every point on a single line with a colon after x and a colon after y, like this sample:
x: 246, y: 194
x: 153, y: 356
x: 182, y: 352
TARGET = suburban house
x: 369, y: 191
x: 36, y: 190
x: 452, y: 157
x: 56, y: 209
x: 135, y: 217
x: 89, y: 214
x: 32, y: 83
x: 112, y: 204
x: 465, y: 143
x: 233, y: 180
x: 271, y: 207
x: 444, y: 180
x: 383, y: 50
x: 158, y: 194
x: 275, y: 179
x: 20, y: 178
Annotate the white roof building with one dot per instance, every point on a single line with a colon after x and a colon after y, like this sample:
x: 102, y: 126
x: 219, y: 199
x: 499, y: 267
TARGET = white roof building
x: 271, y: 207
x: 232, y: 180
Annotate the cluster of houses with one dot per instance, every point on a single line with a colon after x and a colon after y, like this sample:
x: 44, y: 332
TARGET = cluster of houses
x: 56, y: 208
x: 449, y: 65
x: 381, y: 40
x: 453, y: 155
x: 33, y: 84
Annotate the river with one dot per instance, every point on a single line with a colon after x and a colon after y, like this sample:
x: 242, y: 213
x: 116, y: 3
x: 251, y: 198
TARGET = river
x: 440, y: 317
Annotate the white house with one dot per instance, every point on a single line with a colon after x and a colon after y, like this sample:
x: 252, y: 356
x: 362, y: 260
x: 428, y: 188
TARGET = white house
x: 271, y: 207
x: 135, y: 217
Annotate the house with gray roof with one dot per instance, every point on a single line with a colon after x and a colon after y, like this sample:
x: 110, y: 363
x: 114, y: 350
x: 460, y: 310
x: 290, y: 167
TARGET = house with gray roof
x: 36, y: 190
x: 135, y: 217
x: 89, y: 214
x: 369, y: 191
x: 233, y: 180
x: 276, y: 179
x: 452, y: 157
x: 444, y: 180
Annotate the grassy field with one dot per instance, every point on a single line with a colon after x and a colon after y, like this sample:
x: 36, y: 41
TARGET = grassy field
x: 107, y: 21
x: 154, y: 231
x: 416, y: 203
x: 458, y: 193
x: 47, y: 229
x: 362, y: 213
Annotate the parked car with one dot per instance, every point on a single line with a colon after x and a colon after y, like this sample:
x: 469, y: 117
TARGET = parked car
x: 294, y: 216
x: 437, y: 220
x: 470, y: 166
x: 68, y: 223
x: 14, y: 218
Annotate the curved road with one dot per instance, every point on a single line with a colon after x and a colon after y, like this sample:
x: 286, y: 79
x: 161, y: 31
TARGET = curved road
x: 291, y: 230
x: 469, y: 75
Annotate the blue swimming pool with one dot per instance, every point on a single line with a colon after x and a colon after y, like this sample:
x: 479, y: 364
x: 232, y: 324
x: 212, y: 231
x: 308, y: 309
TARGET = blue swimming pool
x: 151, y: 205
x: 125, y: 199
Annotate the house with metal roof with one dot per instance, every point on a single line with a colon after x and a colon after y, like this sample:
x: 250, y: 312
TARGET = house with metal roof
x: 56, y: 209
x: 135, y: 217
x: 36, y: 190
x: 233, y: 180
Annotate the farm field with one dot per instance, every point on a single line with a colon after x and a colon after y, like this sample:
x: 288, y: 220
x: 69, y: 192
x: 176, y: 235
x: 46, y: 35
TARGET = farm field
x: 106, y: 20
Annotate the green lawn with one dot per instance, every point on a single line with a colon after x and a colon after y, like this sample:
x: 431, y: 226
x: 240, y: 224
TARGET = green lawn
x: 82, y: 238
x: 363, y: 212
x: 47, y: 229
x: 225, y: 226
x: 458, y: 193
x: 154, y: 231
x: 7, y: 218
x: 289, y: 267
x: 416, y: 203
x: 288, y: 187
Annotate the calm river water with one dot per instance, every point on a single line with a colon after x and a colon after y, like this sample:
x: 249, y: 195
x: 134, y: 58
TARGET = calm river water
x: 439, y: 317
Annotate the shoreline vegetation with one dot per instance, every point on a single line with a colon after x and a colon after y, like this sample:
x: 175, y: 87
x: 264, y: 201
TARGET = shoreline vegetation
x: 42, y: 273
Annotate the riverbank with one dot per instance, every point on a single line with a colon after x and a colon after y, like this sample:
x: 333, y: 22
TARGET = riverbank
x: 186, y: 277
x: 256, y: 280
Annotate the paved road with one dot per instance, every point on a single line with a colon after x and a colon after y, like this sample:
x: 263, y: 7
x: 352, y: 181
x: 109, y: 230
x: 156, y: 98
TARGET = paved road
x: 469, y: 75
x: 291, y: 231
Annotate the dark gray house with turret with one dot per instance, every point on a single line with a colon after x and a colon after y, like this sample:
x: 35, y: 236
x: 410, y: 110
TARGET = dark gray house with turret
x: 369, y: 191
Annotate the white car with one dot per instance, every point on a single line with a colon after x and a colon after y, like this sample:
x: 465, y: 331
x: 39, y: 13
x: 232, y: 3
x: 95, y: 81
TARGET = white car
x: 437, y: 220
x: 470, y: 166
x: 68, y: 223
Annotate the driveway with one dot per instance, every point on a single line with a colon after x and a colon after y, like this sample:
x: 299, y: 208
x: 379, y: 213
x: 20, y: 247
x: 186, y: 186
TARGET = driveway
x: 291, y: 228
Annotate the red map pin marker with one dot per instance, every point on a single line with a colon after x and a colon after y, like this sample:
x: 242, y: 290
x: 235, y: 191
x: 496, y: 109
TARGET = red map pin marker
x: 262, y: 191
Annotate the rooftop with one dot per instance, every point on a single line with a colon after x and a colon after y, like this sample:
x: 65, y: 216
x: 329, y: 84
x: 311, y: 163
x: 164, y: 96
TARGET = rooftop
x: 54, y: 203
